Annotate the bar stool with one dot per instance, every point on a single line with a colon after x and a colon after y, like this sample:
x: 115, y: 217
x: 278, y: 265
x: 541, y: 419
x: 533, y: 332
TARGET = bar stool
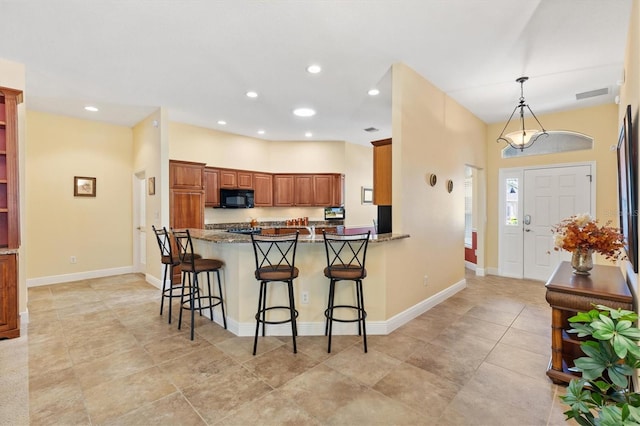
x: 346, y: 255
x: 169, y: 291
x: 275, y: 257
x: 192, y: 266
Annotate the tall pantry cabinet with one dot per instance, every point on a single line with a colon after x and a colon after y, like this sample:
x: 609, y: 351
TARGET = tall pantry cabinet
x: 9, y: 213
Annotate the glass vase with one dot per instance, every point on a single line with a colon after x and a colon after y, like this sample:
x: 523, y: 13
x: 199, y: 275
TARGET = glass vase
x: 582, y: 261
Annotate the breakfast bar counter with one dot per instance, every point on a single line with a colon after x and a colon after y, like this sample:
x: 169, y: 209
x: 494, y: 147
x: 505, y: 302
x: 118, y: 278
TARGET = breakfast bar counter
x: 241, y: 288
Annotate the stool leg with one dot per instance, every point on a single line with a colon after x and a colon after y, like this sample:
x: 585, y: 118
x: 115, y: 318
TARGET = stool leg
x: 195, y: 292
x: 210, y: 295
x: 329, y: 304
x: 292, y: 312
x: 164, y: 289
x: 255, y: 338
x: 358, y: 306
x: 264, y: 308
x: 170, y: 292
x: 224, y: 317
x: 363, y: 314
x: 332, y: 290
x: 184, y: 282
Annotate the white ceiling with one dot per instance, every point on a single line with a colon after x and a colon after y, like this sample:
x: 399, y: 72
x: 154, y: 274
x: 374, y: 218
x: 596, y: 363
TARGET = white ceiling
x: 197, y: 58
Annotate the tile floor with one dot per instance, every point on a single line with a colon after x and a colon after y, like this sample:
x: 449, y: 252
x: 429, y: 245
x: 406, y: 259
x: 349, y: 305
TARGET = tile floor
x: 99, y: 353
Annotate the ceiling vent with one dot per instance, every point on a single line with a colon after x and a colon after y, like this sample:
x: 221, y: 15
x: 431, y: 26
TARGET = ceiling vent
x: 371, y: 129
x: 592, y: 93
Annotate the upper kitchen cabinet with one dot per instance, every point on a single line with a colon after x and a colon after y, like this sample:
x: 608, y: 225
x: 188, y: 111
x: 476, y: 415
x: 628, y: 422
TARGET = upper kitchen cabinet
x: 9, y: 205
x: 263, y: 186
x: 308, y: 190
x: 186, y: 175
x: 328, y: 190
x: 235, y: 179
x: 283, y: 190
x: 382, y: 172
x: 186, y: 194
x: 211, y: 187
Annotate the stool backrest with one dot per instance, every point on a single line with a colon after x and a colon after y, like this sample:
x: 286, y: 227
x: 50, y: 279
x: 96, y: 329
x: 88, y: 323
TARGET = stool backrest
x: 275, y: 253
x: 346, y: 252
x: 184, y: 245
x: 164, y: 242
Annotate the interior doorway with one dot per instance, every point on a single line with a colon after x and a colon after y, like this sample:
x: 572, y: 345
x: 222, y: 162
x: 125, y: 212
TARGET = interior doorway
x: 475, y: 218
x: 532, y: 200
x: 139, y: 223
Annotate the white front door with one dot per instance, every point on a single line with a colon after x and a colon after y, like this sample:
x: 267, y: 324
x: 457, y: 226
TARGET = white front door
x: 550, y: 195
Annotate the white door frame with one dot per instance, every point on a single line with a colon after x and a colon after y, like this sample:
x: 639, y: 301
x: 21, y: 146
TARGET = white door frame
x: 139, y: 214
x: 508, y: 264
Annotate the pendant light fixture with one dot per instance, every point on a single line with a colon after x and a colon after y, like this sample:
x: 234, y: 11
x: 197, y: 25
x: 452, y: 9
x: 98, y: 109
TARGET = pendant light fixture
x: 522, y: 138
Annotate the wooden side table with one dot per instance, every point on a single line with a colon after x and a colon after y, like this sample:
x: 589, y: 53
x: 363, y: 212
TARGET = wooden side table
x: 568, y: 294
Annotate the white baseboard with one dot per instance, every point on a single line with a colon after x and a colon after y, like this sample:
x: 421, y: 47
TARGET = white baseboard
x: 470, y: 265
x: 156, y: 282
x: 66, y: 278
x: 373, y: 327
x: 493, y: 271
x: 480, y: 272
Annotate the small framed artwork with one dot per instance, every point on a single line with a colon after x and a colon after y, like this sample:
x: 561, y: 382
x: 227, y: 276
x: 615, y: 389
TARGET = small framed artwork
x: 84, y: 186
x: 152, y: 186
x: 367, y: 195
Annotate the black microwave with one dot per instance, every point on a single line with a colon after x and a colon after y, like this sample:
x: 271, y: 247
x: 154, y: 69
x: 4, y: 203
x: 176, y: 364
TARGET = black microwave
x: 236, y: 198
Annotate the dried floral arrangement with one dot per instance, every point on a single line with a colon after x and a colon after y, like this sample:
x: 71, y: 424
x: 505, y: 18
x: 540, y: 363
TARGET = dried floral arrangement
x: 581, y: 232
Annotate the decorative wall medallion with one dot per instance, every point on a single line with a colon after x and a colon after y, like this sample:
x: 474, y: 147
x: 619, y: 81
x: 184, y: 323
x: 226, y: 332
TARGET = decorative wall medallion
x: 449, y: 185
x: 433, y: 179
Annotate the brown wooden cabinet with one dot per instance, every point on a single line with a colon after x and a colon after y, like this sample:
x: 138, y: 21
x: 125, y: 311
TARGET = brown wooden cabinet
x: 211, y: 187
x: 186, y: 194
x: 228, y: 178
x: 9, y: 212
x: 245, y: 179
x: 9, y: 205
x: 328, y: 190
x: 338, y: 190
x: 283, y: 190
x: 382, y: 172
x: 263, y: 186
x: 568, y: 294
x: 303, y: 190
x: 9, y: 320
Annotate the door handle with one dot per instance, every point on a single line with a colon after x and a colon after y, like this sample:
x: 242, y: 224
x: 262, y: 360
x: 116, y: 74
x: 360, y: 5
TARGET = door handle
x: 527, y: 230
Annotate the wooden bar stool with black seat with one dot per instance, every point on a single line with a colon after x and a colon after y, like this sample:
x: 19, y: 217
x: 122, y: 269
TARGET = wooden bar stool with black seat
x: 167, y: 258
x: 346, y: 255
x: 275, y: 257
x: 193, y: 266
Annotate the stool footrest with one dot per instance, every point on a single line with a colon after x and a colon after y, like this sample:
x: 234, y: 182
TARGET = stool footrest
x: 187, y: 304
x: 362, y: 314
x: 284, y: 321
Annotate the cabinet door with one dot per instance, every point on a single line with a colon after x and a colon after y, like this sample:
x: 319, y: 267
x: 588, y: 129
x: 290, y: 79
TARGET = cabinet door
x: 245, y: 180
x: 9, y: 195
x: 187, y: 209
x: 263, y: 185
x: 283, y: 194
x: 303, y: 187
x: 382, y: 172
x: 186, y: 175
x: 9, y: 324
x: 211, y: 187
x: 323, y: 186
x: 228, y: 178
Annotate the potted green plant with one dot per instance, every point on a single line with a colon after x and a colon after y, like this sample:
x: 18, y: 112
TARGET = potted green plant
x: 603, y: 395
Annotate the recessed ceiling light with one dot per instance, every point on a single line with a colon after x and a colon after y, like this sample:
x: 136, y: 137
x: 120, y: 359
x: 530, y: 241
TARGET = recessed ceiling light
x: 373, y: 92
x: 308, y: 134
x: 261, y: 132
x: 222, y: 122
x: 314, y: 69
x: 304, y: 112
x: 91, y: 108
x: 252, y: 94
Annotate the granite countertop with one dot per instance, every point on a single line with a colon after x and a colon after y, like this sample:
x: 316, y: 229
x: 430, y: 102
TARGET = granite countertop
x: 221, y: 236
x: 8, y: 251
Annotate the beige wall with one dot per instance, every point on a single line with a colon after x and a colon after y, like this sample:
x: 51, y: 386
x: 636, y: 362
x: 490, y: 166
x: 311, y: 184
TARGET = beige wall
x: 600, y: 123
x: 12, y: 75
x: 431, y: 134
x: 98, y: 231
x: 150, y: 154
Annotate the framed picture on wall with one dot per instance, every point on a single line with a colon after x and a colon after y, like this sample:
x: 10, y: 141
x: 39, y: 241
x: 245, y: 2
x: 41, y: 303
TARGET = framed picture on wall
x: 367, y: 195
x: 84, y: 186
x: 152, y: 186
x: 627, y: 199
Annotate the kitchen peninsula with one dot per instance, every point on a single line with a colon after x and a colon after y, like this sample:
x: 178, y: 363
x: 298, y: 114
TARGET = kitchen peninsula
x: 241, y: 287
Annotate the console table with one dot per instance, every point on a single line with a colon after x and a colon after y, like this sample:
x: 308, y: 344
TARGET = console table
x: 567, y: 294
